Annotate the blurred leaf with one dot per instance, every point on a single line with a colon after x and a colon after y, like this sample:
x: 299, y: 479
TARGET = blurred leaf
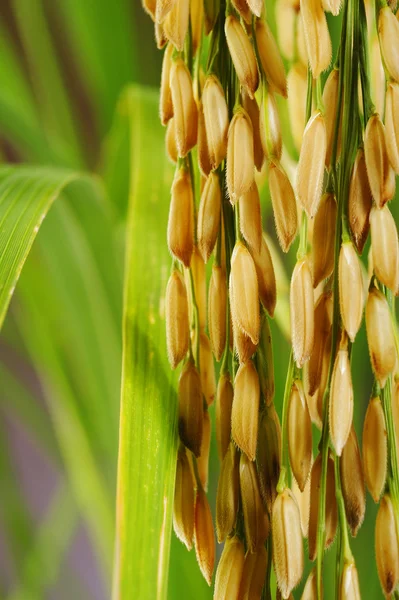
x: 104, y: 43
x: 47, y: 80
x: 19, y: 121
x: 115, y: 166
x: 148, y: 435
x: 14, y: 512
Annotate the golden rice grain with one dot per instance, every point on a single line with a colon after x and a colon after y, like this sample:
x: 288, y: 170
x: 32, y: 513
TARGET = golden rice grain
x: 204, y: 537
x: 352, y: 483
x: 392, y: 124
x: 266, y: 278
x: 284, y: 205
x: 208, y: 221
x: 256, y: 520
x: 341, y: 400
x: 184, y: 500
x: 380, y: 336
x: 244, y: 292
x: 387, y: 546
x: 299, y: 436
x: 176, y: 316
x: 380, y: 173
x: 388, y: 31
x: 253, y: 575
x: 228, y: 493
x: 165, y: 95
x: 359, y: 201
x: 270, y: 128
x: 204, y: 161
x: 310, y: 589
x: 323, y: 318
x: 270, y: 58
x: 163, y: 7
x: 349, y: 588
x: 216, y: 120
x: 330, y: 100
x: 385, y: 247
x: 288, y: 556
x: 170, y: 141
x: 312, y: 159
x: 184, y: 107
x: 297, y: 88
x: 303, y: 501
x: 250, y: 218
x: 191, y: 411
x: 324, y: 239
x: 240, y: 155
x: 242, y: 54
x: 217, y: 305
x: 252, y: 108
x: 268, y: 455
x: 302, y: 312
x: 196, y: 19
x: 244, y: 415
x: 375, y: 452
x: 351, y: 295
x: 229, y: 571
x: 317, y: 37
x: 176, y: 23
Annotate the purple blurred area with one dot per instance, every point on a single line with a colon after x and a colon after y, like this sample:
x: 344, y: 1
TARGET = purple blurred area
x: 36, y: 479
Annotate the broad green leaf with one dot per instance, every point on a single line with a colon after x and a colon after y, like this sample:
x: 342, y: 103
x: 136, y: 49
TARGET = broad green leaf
x: 26, y: 195
x: 148, y: 435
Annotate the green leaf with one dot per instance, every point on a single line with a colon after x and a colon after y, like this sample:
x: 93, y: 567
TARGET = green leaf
x: 26, y: 195
x: 104, y: 46
x: 148, y: 435
x: 72, y: 338
x: 19, y: 121
x: 47, y: 80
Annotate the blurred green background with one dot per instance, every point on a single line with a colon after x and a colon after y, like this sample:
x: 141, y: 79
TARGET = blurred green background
x: 63, y: 68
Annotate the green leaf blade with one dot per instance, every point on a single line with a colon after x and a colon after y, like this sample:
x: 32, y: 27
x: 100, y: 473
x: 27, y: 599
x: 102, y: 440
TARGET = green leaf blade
x: 26, y: 194
x: 148, y: 437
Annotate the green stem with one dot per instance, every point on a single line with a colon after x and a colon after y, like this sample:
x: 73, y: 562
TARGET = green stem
x: 196, y: 321
x: 393, y: 473
x: 266, y: 592
x: 346, y: 552
x: 319, y: 97
x: 237, y: 222
x: 309, y: 95
x: 348, y: 87
x: 368, y: 105
x: 284, y: 458
x: 303, y: 239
